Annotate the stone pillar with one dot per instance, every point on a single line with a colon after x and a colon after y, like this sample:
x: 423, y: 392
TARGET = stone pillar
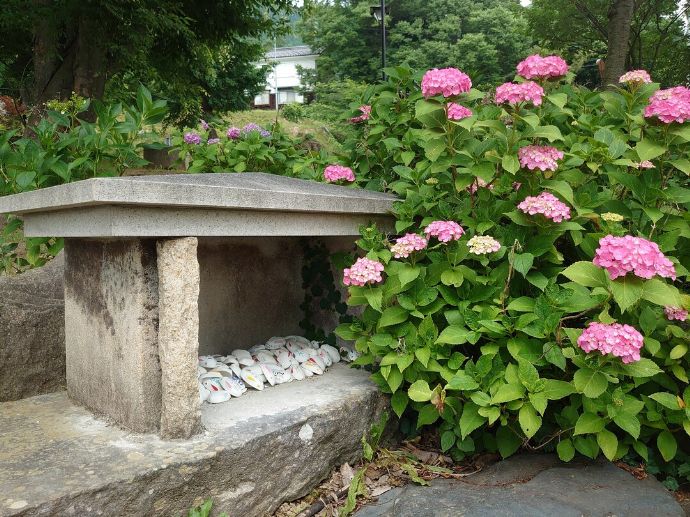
x: 178, y: 336
x: 111, y: 330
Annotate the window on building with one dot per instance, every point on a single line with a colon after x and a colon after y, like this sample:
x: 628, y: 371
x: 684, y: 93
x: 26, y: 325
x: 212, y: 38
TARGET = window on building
x: 263, y: 99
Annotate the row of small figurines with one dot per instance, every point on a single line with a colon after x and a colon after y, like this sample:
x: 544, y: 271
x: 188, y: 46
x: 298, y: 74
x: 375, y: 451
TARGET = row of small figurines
x: 279, y: 360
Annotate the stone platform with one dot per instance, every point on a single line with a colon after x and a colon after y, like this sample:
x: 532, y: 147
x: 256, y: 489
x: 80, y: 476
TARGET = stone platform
x: 255, y: 452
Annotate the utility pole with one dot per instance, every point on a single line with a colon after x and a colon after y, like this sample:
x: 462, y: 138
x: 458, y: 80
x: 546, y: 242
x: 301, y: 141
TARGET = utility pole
x: 383, y: 38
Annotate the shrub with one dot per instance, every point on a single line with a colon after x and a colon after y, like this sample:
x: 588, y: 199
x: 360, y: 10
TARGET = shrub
x: 535, y: 300
x: 293, y: 112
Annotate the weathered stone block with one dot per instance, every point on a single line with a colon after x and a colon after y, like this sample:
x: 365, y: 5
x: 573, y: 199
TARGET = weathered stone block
x: 111, y: 316
x: 32, y: 332
x: 178, y: 336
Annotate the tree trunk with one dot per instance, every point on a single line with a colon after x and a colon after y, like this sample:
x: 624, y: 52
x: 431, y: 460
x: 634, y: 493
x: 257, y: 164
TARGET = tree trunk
x: 620, y: 19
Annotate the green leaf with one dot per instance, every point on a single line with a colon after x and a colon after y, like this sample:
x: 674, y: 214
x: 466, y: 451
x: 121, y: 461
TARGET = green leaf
x: 399, y: 402
x: 523, y: 262
x: 528, y: 375
x: 642, y: 368
x: 393, y: 316
x: 590, y: 383
x: 452, y: 277
x: 507, y: 393
x: 423, y: 355
x: 629, y: 423
x: 587, y: 445
x: 431, y: 113
x: 551, y: 133
x: 375, y: 298
x: 565, y: 449
x: 559, y: 99
x: 648, y: 150
x: 453, y: 335
x: 681, y: 165
x: 678, y: 351
x: 407, y: 274
x: 510, y: 163
x: 508, y: 442
x: 419, y: 391
x: 627, y: 291
x: 667, y: 445
x: 427, y: 415
x: 462, y: 381
x: 394, y: 379
x: 586, y: 274
x: 522, y: 304
x: 556, y: 390
x: 529, y: 419
x: 589, y: 423
x: 608, y: 443
x: 470, y: 419
x: 447, y: 440
x: 666, y: 399
x: 660, y: 293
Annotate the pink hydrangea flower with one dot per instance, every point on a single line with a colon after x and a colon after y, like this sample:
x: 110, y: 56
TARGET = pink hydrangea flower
x: 623, y: 255
x: 365, y: 109
x: 408, y: 243
x: 445, y: 81
x: 546, y: 204
x: 192, y: 138
x: 645, y: 164
x: 670, y: 105
x: 334, y: 173
x: 234, y: 133
x: 537, y: 67
x: 542, y: 157
x: 457, y: 112
x: 477, y: 184
x: 514, y: 93
x: 483, y: 245
x: 635, y: 77
x: 212, y: 141
x: 444, y: 231
x: 622, y: 341
x: 675, y: 313
x: 363, y: 272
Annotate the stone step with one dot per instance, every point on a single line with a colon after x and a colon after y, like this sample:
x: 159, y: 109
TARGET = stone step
x: 255, y: 453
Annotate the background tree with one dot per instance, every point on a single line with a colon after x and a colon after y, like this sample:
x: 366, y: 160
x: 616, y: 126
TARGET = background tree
x: 54, y: 47
x: 483, y: 37
x: 659, y: 40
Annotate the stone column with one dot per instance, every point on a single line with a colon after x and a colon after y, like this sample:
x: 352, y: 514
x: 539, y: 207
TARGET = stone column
x: 111, y: 320
x: 178, y: 336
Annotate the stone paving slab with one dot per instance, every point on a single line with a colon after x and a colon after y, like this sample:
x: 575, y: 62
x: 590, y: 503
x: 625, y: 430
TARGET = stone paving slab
x: 256, y: 452
x: 532, y: 486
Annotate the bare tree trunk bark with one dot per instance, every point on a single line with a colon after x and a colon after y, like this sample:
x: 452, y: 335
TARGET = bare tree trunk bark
x: 620, y: 19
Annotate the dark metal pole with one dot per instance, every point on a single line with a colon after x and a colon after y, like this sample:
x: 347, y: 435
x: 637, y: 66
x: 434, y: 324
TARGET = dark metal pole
x: 383, y: 38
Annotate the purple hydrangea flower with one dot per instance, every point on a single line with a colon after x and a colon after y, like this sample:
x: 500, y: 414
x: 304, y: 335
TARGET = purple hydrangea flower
x: 192, y: 138
x: 234, y: 133
x: 212, y: 141
x: 255, y: 127
x: 204, y: 125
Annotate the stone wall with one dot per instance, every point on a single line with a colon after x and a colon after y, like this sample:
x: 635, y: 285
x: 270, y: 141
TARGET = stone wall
x: 32, y: 332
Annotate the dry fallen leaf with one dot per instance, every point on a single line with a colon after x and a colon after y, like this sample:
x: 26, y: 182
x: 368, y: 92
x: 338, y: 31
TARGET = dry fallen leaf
x: 382, y: 489
x: 347, y: 473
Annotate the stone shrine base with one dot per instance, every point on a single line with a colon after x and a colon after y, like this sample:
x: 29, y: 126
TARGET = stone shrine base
x: 256, y: 452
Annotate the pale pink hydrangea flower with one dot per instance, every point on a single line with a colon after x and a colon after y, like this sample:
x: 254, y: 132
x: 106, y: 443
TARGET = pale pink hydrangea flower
x: 675, y: 313
x: 635, y: 77
x: 365, y: 109
x: 670, y: 105
x: 408, y: 243
x: 542, y: 157
x: 623, y: 255
x: 483, y: 244
x: 212, y: 141
x: 537, y: 67
x: 645, y: 164
x: 445, y: 81
x: 204, y: 125
x: 363, y: 272
x: 479, y: 183
x: 334, y: 173
x: 457, y: 112
x: 546, y: 204
x: 622, y: 341
x: 444, y: 231
x: 514, y: 93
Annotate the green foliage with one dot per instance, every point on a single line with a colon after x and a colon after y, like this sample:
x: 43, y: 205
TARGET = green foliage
x: 484, y: 37
x: 62, y: 148
x: 204, y: 510
x: 485, y: 346
x: 293, y: 112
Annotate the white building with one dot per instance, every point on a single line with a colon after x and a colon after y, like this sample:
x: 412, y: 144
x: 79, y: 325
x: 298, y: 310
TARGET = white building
x: 283, y: 76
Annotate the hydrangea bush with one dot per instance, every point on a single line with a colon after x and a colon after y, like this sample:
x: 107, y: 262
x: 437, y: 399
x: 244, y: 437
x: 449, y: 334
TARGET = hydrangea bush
x: 532, y: 293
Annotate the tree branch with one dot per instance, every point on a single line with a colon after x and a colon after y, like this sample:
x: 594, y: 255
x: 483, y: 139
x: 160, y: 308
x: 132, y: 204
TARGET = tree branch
x: 586, y: 11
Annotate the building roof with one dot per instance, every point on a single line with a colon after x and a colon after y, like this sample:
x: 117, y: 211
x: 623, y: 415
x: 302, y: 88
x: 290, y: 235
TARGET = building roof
x: 280, y: 52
